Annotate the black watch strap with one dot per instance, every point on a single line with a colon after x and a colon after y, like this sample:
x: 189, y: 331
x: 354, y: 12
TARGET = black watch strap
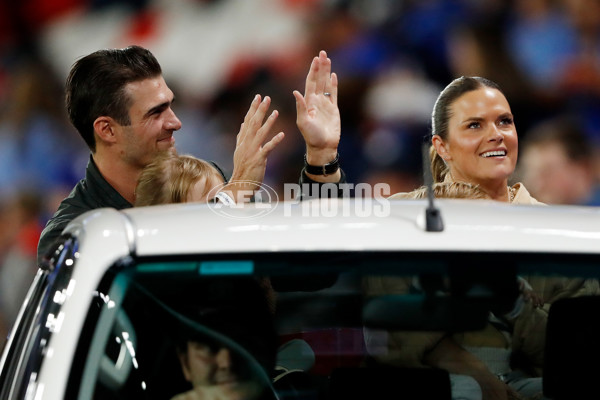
x: 327, y: 169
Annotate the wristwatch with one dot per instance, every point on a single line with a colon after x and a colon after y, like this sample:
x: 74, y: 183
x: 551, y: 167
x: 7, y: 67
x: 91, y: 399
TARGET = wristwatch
x: 327, y: 169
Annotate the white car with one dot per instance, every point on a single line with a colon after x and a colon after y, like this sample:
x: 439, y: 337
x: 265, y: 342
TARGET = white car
x: 281, y: 288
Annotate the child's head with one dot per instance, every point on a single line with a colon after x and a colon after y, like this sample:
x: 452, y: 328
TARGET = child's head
x: 173, y: 178
x: 452, y: 190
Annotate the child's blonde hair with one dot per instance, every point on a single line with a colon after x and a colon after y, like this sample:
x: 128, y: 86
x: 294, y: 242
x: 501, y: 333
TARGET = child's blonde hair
x: 453, y: 190
x: 170, y: 178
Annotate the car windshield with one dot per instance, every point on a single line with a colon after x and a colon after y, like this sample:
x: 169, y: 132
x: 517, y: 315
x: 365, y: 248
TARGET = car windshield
x: 297, y: 326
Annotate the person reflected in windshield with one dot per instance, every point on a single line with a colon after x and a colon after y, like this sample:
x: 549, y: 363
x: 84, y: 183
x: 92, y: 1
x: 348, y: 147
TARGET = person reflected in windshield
x: 214, y: 373
x: 225, y: 340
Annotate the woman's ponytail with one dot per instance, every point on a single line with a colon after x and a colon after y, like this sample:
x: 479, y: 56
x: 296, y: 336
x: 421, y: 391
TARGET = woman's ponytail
x: 439, y: 169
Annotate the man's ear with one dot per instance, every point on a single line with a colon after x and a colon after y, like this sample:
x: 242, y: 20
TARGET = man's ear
x: 184, y: 362
x: 104, y: 128
x: 441, y: 147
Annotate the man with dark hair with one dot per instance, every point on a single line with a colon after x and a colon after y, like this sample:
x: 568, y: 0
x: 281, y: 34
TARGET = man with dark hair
x: 219, y: 354
x: 97, y: 85
x: 119, y: 102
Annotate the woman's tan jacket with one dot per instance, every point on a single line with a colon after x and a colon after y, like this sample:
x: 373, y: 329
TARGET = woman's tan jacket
x: 528, y: 328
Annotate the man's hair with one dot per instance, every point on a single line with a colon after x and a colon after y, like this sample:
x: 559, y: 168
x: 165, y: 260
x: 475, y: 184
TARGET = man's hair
x: 96, y: 86
x: 565, y: 131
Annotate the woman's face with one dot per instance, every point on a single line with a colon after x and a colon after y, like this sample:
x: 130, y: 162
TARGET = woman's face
x: 482, y: 143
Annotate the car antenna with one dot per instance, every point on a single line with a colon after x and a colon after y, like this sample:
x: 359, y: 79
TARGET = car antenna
x: 433, y: 217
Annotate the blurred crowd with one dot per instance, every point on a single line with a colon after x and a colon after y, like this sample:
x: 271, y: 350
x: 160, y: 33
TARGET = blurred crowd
x: 392, y: 58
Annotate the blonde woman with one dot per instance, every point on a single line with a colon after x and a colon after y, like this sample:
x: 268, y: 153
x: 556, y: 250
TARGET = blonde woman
x: 474, y: 143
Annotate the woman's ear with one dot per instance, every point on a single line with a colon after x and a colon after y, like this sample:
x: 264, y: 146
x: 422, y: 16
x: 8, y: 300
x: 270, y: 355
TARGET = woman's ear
x: 104, y: 128
x: 441, y: 147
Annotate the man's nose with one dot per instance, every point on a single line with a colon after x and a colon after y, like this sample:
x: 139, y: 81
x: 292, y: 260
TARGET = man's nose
x: 172, y: 123
x: 223, y: 358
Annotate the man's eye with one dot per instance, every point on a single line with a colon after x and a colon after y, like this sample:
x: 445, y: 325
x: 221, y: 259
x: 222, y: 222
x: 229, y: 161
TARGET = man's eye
x: 473, y: 125
x: 197, y: 346
x: 506, y: 121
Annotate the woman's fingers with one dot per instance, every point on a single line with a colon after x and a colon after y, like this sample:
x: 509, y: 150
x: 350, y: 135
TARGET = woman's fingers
x: 334, y: 88
x: 324, y: 73
x: 300, y: 105
x: 311, y: 78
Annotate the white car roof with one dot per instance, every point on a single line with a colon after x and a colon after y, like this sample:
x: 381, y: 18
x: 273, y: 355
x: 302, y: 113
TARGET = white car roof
x: 348, y: 225
x: 108, y: 235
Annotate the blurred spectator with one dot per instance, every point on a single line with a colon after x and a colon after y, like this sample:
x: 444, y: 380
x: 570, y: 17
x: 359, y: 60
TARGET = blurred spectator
x: 557, y: 164
x: 540, y: 39
x: 581, y: 80
x: 556, y: 44
x: 20, y: 232
x: 39, y: 150
x: 397, y: 107
x: 582, y: 71
x: 421, y: 29
x: 480, y: 49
